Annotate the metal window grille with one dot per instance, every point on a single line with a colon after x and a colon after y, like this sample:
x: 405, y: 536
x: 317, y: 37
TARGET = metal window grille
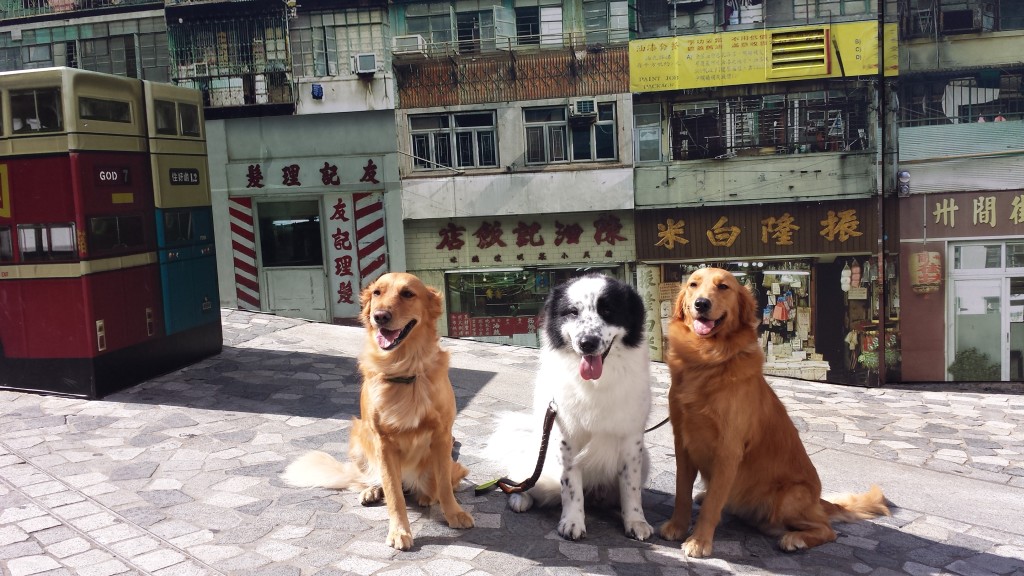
x: 235, y: 61
x: 324, y: 42
x: 972, y: 97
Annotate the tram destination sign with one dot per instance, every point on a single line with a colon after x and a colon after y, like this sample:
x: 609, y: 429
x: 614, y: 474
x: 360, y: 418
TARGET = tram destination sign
x: 110, y: 176
x: 183, y: 176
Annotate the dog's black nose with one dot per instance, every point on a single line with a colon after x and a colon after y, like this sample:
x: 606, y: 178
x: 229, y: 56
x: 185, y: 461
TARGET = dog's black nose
x: 702, y: 305
x: 382, y: 317
x: 589, y: 344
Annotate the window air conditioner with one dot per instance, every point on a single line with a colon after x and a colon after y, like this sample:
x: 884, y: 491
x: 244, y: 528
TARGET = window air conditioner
x: 364, y: 63
x: 583, y: 108
x: 410, y: 44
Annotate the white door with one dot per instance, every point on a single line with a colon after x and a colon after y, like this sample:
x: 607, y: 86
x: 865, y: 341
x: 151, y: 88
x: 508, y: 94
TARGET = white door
x: 297, y: 292
x: 291, y: 259
x: 987, y: 332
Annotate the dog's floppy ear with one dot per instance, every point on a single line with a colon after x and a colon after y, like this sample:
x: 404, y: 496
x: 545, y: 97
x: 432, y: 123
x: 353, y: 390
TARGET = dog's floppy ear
x: 364, y: 299
x: 679, y: 308
x: 435, y: 300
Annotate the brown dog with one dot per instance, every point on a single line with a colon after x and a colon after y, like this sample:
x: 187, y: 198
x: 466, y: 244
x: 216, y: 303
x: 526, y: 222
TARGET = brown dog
x: 730, y: 426
x: 407, y: 407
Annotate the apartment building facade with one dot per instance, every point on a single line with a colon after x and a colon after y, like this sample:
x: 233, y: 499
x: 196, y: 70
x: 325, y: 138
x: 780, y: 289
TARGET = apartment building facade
x: 515, y: 152
x: 961, y: 129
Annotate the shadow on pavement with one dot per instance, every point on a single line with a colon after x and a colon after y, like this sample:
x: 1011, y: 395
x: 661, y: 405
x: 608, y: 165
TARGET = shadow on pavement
x: 275, y: 382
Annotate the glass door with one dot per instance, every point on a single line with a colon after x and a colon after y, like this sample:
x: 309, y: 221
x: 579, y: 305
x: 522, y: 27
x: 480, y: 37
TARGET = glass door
x: 1015, y: 338
x: 977, y: 338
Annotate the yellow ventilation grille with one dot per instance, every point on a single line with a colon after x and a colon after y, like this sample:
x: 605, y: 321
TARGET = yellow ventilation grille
x: 803, y: 52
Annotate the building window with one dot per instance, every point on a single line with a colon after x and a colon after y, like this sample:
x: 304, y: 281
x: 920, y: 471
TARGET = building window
x: 112, y: 55
x: 475, y: 27
x: 290, y: 234
x: 47, y: 242
x: 432, y: 20
x: 40, y: 56
x: 325, y: 42
x: 538, y: 22
x: 647, y: 132
x: 460, y: 140
x: 551, y: 133
x: 605, y: 21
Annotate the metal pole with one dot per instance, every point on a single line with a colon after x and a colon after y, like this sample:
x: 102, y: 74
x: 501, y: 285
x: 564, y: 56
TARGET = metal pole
x: 884, y: 183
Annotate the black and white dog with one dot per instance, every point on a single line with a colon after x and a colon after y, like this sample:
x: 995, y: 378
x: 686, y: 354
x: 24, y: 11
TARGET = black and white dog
x: 595, y: 366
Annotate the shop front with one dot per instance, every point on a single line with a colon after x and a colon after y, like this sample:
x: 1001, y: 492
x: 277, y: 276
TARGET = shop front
x: 497, y: 271
x: 307, y: 234
x: 809, y: 265
x: 964, y: 280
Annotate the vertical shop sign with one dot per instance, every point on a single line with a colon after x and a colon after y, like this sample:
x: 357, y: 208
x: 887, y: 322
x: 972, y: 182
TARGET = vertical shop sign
x: 344, y: 269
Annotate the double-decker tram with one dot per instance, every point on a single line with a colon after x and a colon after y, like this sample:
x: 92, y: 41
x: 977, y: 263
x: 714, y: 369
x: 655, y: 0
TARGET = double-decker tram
x: 85, y: 299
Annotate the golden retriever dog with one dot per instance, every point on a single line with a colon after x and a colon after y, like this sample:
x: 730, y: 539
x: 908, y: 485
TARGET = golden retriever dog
x: 730, y: 426
x: 403, y: 437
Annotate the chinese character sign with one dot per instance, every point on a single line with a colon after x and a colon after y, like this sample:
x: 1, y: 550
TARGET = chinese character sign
x: 756, y: 230
x: 343, y: 257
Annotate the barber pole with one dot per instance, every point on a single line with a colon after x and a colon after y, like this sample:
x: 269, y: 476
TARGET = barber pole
x: 243, y: 243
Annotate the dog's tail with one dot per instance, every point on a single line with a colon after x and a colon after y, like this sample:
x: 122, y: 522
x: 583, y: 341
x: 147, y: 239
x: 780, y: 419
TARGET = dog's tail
x: 317, y: 469
x: 853, y: 507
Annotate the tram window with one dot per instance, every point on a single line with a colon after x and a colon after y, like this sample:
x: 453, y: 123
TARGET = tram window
x: 115, y: 234
x: 46, y: 242
x: 36, y: 110
x: 189, y: 119
x: 290, y: 234
x: 106, y: 110
x: 6, y: 248
x: 177, y: 226
x: 166, y: 117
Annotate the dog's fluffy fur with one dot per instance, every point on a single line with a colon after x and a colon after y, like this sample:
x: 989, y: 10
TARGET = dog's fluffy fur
x: 730, y: 426
x: 404, y: 434
x: 595, y: 366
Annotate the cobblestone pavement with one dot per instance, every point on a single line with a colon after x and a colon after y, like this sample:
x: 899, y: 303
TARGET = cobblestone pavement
x: 179, y: 476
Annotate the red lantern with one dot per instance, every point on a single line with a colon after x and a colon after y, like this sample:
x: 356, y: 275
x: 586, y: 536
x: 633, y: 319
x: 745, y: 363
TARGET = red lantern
x: 925, y: 272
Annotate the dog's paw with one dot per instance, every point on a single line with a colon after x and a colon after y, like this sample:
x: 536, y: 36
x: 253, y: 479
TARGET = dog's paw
x: 372, y: 495
x: 520, y: 501
x: 792, y: 541
x: 425, y: 499
x: 572, y: 529
x: 639, y: 529
x: 695, y: 548
x: 673, y: 531
x: 459, y: 519
x: 399, y: 538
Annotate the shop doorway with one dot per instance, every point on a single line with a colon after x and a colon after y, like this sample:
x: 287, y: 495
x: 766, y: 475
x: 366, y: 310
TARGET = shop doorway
x: 291, y: 259
x: 986, y: 339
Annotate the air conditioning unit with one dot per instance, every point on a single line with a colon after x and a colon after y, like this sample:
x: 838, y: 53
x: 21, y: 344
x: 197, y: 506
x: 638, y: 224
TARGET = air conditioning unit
x: 583, y: 108
x: 410, y: 44
x: 364, y: 63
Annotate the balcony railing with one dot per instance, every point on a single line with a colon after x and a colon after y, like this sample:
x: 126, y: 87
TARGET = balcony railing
x: 407, y: 47
x: 12, y: 9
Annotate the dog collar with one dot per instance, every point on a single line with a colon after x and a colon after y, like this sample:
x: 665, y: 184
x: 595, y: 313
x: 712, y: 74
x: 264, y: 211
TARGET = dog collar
x: 400, y: 379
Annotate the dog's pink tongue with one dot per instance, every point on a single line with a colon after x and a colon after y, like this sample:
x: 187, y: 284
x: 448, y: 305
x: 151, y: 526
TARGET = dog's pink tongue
x: 703, y: 327
x: 386, y: 338
x: 591, y: 367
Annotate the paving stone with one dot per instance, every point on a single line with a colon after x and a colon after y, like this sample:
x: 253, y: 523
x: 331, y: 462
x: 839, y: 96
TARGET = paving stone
x: 179, y: 476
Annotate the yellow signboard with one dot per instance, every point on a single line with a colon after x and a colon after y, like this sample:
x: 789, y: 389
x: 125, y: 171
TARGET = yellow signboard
x: 759, y: 56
